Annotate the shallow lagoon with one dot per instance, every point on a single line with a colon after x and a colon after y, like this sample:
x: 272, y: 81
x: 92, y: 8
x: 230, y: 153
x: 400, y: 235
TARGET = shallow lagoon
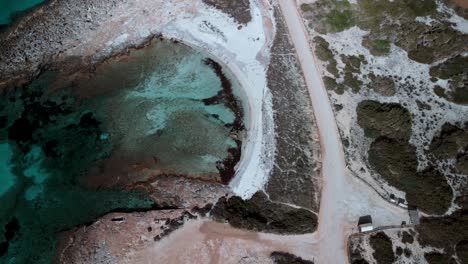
x: 9, y: 9
x: 71, y: 145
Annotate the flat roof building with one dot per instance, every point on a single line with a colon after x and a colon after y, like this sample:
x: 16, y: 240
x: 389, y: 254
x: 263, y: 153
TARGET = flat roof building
x: 365, y: 223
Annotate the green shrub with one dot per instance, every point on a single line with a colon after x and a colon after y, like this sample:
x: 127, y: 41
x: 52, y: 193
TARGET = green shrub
x: 306, y: 8
x: 384, y: 119
x: 449, y: 142
x: 439, y: 91
x: 340, y: 20
x: 407, y: 238
x: 396, y: 162
x: 383, y: 251
x: 381, y: 47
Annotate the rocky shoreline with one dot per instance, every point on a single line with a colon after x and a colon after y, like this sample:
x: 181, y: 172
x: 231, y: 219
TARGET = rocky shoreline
x: 47, y: 39
x: 51, y: 35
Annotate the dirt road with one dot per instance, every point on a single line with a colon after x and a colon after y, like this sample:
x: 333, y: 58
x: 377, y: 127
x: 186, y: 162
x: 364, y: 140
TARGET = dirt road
x: 344, y: 198
x: 332, y: 213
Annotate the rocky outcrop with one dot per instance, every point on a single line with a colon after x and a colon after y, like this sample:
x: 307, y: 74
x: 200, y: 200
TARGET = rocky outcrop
x: 52, y: 33
x: 96, y: 242
x: 287, y: 258
x: 260, y: 214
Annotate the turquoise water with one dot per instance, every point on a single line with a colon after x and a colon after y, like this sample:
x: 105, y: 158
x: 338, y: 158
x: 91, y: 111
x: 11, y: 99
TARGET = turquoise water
x: 7, y: 178
x: 9, y: 9
x: 71, y: 147
x: 48, y: 142
x: 159, y: 105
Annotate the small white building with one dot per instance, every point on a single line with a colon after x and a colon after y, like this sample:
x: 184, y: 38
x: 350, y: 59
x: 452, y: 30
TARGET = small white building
x: 365, y: 224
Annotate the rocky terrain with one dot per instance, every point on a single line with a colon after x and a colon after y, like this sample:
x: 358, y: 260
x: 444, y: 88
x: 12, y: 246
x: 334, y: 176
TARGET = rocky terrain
x: 260, y: 214
x: 89, y: 244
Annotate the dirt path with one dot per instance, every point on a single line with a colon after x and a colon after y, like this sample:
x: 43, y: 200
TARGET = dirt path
x: 331, y: 217
x: 344, y: 197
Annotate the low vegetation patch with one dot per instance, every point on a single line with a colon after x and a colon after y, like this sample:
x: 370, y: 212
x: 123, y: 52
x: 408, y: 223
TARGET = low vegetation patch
x: 331, y: 84
x: 324, y: 53
x: 449, y: 233
x: 407, y: 252
x: 391, y: 22
x: 431, y: 194
x: 239, y: 9
x: 436, y: 258
x: 287, y: 258
x: 350, y: 72
x: 394, y: 158
x: 355, y: 250
x: 332, y: 15
x: 459, y: 95
x: 339, y: 20
x: 399, y: 251
x: 260, y: 214
x: 351, y: 81
x: 462, y: 251
x: 462, y: 163
x: 439, y: 91
x: 353, y: 63
x: 450, y: 141
x: 377, y: 47
x: 455, y: 70
x: 407, y: 238
x: 450, y: 68
x: 383, y: 85
x: 384, y: 119
x: 383, y: 251
x: 396, y: 162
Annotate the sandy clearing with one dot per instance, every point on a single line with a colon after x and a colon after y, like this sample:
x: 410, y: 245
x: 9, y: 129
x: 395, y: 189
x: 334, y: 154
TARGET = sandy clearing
x: 205, y: 241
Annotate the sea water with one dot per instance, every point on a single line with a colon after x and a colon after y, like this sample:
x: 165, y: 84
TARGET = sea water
x: 7, y: 178
x: 9, y: 9
x: 69, y: 147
